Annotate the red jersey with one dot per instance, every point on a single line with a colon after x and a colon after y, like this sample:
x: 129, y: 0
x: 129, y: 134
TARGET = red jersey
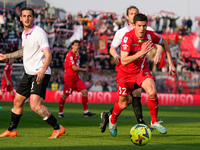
x: 8, y: 69
x: 131, y: 43
x: 70, y: 60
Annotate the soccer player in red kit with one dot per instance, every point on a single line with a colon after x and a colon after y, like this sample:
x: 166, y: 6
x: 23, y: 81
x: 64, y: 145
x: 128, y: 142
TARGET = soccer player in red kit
x: 133, y: 68
x: 6, y: 82
x: 72, y: 81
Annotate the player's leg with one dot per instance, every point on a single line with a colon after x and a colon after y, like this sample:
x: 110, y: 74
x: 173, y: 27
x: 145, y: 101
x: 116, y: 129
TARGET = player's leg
x: 3, y: 90
x: 10, y: 89
x: 80, y: 87
x: 1, y: 94
x: 16, y: 114
x: 62, y: 104
x: 118, y: 108
x: 149, y: 86
x: 136, y: 103
x: 67, y: 90
x: 38, y: 92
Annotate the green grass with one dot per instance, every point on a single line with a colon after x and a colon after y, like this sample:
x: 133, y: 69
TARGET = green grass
x: 182, y: 123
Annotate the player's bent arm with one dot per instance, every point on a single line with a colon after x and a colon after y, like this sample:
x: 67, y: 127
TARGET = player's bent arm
x: 158, y: 54
x: 127, y: 59
x: 172, y: 68
x: 47, y: 60
x: 16, y: 54
x: 167, y: 51
x: 114, y: 54
x: 78, y: 69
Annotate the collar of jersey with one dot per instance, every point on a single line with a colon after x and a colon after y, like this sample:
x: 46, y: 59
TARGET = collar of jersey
x: 31, y: 30
x: 128, y: 27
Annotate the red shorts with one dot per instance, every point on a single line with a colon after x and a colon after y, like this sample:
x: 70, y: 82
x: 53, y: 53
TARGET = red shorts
x: 126, y: 87
x: 5, y: 87
x: 77, y: 85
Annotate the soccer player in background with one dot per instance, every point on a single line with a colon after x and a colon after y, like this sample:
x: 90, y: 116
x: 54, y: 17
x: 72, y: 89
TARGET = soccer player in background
x: 133, y: 68
x: 6, y: 82
x: 36, y: 60
x: 135, y: 96
x: 72, y: 81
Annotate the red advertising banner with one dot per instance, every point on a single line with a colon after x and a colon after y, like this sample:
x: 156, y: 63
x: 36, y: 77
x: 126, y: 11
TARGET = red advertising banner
x: 112, y: 97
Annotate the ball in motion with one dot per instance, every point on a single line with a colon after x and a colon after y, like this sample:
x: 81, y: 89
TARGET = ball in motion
x: 140, y: 134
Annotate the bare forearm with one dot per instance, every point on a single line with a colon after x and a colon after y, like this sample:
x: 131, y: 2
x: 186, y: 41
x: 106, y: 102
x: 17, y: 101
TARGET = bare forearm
x: 16, y: 54
x: 113, y: 52
x: 125, y: 60
x: 167, y: 51
x: 78, y: 69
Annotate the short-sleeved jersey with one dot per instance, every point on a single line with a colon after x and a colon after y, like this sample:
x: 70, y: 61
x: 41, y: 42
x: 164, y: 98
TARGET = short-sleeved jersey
x: 120, y: 33
x: 70, y: 60
x: 33, y: 44
x: 8, y: 69
x: 132, y: 45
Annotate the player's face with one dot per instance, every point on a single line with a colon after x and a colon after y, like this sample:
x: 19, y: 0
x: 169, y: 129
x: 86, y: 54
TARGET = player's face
x: 27, y: 18
x: 75, y: 47
x: 131, y: 14
x: 140, y: 28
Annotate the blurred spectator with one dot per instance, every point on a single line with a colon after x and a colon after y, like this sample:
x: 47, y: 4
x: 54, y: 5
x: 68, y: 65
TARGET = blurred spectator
x: 189, y: 24
x: 54, y: 86
x: 172, y: 23
x: 104, y: 85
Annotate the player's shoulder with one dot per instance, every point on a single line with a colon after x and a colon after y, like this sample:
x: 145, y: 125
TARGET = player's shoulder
x: 122, y: 30
x: 149, y: 28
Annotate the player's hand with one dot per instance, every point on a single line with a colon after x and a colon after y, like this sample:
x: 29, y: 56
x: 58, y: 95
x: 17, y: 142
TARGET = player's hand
x: 40, y: 75
x: 146, y: 47
x: 156, y: 59
x: 8, y: 83
x: 172, y: 70
x: 2, y: 57
x: 116, y: 59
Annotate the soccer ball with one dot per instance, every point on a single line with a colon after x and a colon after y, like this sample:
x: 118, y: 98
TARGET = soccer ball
x: 140, y: 134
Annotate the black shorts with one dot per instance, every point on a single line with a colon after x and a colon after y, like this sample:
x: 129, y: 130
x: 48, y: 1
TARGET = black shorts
x: 28, y: 86
x: 136, y: 86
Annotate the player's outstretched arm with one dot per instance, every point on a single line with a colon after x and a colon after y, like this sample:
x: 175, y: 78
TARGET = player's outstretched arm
x: 16, y: 54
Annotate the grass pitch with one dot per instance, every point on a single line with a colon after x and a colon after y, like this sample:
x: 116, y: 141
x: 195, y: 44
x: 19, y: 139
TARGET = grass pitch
x: 182, y: 123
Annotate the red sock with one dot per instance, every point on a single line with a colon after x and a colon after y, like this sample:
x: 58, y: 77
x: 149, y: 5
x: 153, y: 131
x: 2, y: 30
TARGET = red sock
x: 116, y: 112
x: 153, y: 108
x: 85, y: 103
x: 0, y: 97
x: 61, y: 104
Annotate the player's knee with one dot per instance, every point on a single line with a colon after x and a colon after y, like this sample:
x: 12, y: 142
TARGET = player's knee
x: 84, y: 93
x: 152, y: 94
x: 137, y: 92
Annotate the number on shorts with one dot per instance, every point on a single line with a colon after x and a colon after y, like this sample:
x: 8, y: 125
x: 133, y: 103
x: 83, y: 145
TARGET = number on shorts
x: 122, y: 91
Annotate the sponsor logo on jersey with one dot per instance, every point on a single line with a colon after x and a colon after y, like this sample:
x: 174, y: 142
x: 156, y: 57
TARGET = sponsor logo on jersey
x: 125, y: 46
x: 135, y: 44
x: 125, y: 39
x: 141, y: 41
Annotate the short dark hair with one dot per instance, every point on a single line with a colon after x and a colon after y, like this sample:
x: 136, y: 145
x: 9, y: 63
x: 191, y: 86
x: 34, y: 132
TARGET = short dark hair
x: 27, y: 8
x: 131, y: 7
x: 140, y: 17
x: 75, y: 41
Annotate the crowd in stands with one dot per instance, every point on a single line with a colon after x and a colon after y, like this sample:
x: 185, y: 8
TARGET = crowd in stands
x: 94, y: 25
